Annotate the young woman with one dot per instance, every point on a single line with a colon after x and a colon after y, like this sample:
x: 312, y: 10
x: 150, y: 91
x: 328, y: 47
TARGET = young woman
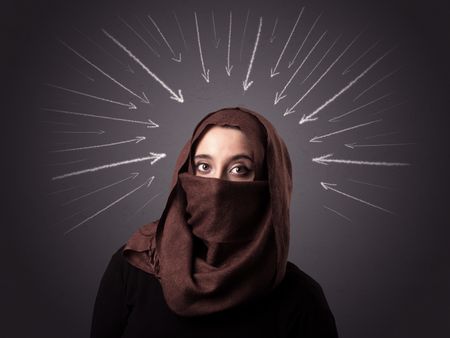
x: 215, y: 263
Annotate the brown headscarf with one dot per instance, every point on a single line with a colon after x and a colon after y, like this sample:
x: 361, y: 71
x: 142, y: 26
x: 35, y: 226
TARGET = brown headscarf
x: 220, y: 243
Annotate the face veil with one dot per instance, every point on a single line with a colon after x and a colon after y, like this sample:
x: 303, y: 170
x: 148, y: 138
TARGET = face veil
x: 220, y: 243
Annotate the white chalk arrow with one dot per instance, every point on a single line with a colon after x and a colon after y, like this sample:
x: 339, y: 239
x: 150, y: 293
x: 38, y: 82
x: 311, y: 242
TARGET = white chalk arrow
x: 140, y: 37
x: 132, y: 177
x: 359, y: 58
x: 377, y: 82
x: 303, y: 43
x: 143, y: 99
x: 272, y: 37
x: 273, y: 71
x: 308, y: 118
x: 325, y: 159
x: 355, y: 145
x: 228, y: 67
x: 205, y: 73
x: 331, y: 186
x: 216, y: 41
x: 291, y: 109
x: 165, y: 40
x: 174, y: 96
x: 125, y: 66
x: 243, y: 35
x: 149, y: 124
x: 129, y: 105
x: 181, y: 30
x: 317, y: 138
x: 154, y: 157
x: 98, y: 132
x: 280, y: 96
x: 245, y: 83
x: 147, y: 182
x: 336, y: 118
x: 137, y: 139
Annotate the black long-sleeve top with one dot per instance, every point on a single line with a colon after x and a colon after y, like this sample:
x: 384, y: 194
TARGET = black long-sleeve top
x: 130, y: 304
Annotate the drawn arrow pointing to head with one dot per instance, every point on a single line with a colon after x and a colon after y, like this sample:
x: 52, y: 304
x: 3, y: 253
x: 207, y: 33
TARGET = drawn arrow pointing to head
x: 174, y: 96
x: 246, y: 84
x: 325, y: 159
x: 331, y: 186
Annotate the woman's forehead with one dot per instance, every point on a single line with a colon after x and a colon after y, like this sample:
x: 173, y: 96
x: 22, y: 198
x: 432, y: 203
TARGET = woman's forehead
x: 219, y: 140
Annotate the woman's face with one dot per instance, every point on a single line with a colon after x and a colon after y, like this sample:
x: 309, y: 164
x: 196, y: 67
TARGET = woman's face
x: 225, y: 153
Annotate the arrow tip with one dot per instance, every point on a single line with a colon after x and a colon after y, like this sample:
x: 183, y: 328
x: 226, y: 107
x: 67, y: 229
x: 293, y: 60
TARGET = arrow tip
x: 139, y: 139
x: 289, y: 111
x: 145, y: 99
x: 152, y: 124
x: 326, y: 185
x: 351, y: 145
x: 150, y: 180
x: 273, y: 73
x: 305, y: 119
x: 246, y: 85
x: 179, y: 97
x: 156, y: 157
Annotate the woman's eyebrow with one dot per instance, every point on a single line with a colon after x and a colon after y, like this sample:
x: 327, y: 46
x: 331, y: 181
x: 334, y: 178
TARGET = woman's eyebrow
x: 232, y: 158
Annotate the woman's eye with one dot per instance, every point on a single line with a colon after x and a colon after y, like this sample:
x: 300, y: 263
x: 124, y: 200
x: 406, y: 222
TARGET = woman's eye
x: 203, y: 167
x: 240, y: 170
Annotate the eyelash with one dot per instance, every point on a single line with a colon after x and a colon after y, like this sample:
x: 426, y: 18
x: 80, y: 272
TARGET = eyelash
x: 246, y: 169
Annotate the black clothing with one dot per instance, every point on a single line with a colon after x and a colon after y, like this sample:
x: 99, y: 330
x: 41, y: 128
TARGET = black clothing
x: 130, y: 304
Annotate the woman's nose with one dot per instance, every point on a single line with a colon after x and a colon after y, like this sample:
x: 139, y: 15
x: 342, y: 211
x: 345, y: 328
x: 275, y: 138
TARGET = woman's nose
x: 220, y: 173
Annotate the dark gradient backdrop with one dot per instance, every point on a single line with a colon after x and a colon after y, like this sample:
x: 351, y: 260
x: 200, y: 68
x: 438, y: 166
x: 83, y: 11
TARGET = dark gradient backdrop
x: 384, y: 266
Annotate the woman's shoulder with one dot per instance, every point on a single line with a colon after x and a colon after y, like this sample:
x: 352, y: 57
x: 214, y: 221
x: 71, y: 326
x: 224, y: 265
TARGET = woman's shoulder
x: 301, y: 287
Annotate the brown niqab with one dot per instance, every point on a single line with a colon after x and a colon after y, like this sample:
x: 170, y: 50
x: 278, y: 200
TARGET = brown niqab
x: 220, y: 243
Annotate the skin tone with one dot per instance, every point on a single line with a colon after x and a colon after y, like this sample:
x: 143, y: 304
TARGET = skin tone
x: 224, y: 153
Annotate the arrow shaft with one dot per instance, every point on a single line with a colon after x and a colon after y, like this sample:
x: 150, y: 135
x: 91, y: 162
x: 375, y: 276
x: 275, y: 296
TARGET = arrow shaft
x: 105, y: 166
x: 348, y: 86
x: 93, y: 147
x: 329, y: 67
x: 199, y: 43
x: 88, y: 95
x: 289, y: 38
x: 139, y: 63
x: 96, y: 116
x: 388, y: 164
x: 376, y: 82
x: 347, y: 129
x: 214, y: 26
x: 360, y: 107
x: 140, y: 37
x: 301, y: 65
x: 381, y: 145
x: 229, y: 40
x: 95, y: 191
x: 101, y: 71
x: 359, y: 200
x: 306, y: 38
x: 337, y: 213
x: 74, y: 132
x: 254, y: 50
x: 181, y: 30
x: 360, y: 57
x: 243, y: 35
x: 320, y: 78
x: 101, y: 48
x: 162, y: 35
x: 106, y: 208
x: 274, y: 27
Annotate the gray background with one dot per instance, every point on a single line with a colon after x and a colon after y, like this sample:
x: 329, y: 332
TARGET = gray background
x: 384, y: 275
